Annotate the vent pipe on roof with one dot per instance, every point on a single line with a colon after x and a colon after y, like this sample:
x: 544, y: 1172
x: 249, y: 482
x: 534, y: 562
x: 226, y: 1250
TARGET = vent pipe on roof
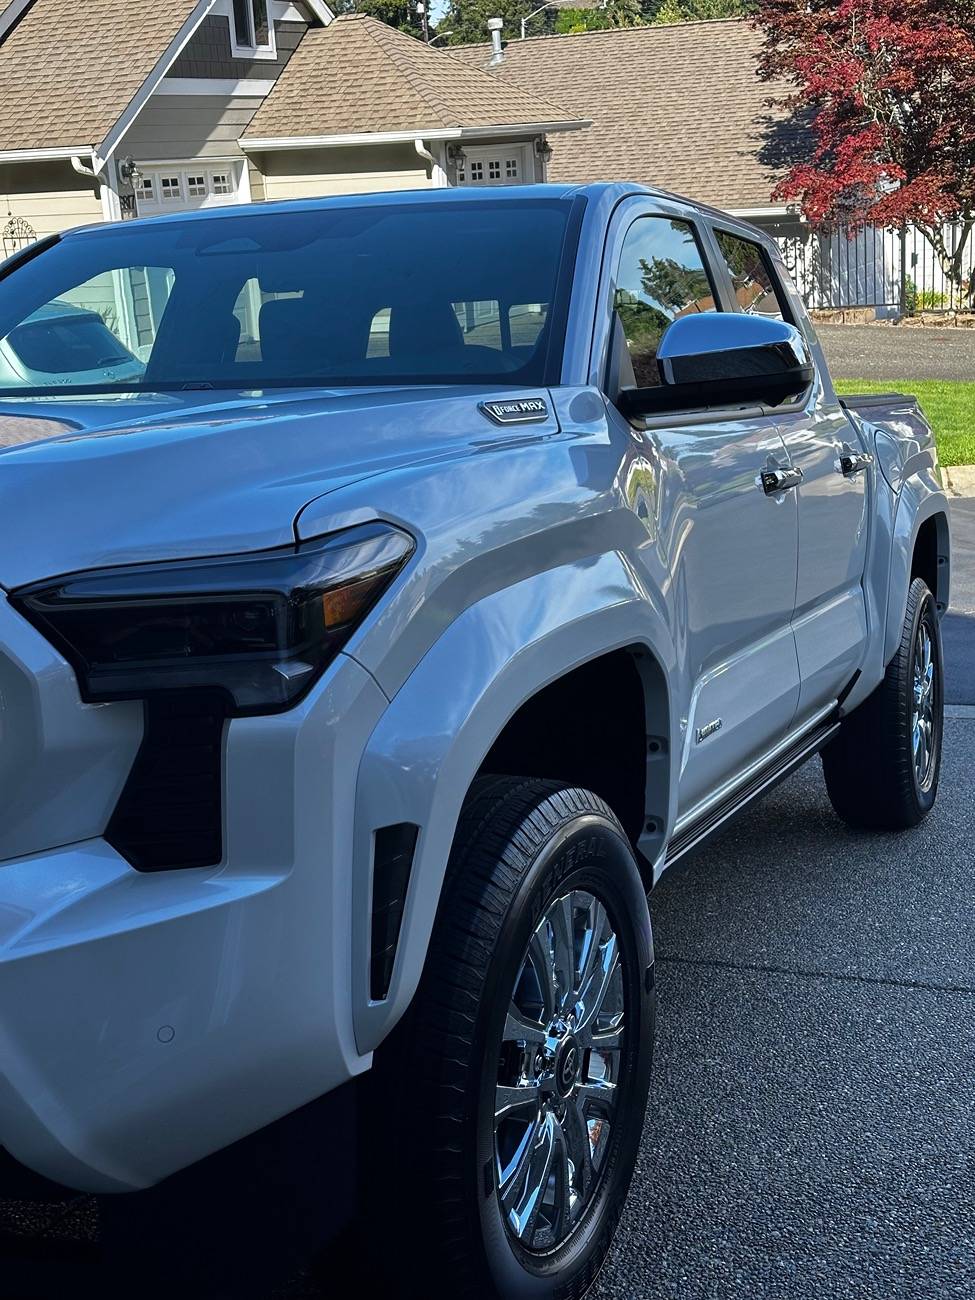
x: 497, y: 52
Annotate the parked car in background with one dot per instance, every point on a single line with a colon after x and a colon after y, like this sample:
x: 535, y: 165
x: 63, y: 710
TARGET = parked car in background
x: 62, y: 343
x: 456, y: 563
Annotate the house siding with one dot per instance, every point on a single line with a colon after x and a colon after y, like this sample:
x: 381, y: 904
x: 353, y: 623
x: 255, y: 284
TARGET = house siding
x: 208, y: 53
x: 49, y: 196
x: 308, y: 173
x: 190, y: 126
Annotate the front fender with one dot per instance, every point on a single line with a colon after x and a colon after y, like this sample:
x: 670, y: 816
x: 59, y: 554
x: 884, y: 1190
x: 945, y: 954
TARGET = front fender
x: 428, y: 746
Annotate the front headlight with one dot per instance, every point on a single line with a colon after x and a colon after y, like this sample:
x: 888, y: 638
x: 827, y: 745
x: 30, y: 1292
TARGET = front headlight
x: 260, y: 627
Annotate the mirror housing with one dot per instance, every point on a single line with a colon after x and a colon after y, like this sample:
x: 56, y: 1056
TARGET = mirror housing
x: 715, y: 358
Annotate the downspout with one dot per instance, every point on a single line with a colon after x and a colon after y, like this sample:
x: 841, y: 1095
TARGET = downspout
x: 82, y: 170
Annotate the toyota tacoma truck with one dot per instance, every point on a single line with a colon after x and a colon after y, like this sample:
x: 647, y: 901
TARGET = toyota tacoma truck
x: 451, y: 565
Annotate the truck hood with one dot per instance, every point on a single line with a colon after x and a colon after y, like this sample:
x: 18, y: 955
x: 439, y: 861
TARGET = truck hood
x: 92, y: 482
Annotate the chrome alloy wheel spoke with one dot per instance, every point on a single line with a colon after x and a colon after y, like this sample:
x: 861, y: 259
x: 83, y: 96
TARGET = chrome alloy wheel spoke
x: 923, y: 717
x: 559, y: 1068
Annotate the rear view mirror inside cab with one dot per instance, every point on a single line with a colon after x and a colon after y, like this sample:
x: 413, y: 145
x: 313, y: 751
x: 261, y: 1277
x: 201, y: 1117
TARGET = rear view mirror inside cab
x: 713, y: 358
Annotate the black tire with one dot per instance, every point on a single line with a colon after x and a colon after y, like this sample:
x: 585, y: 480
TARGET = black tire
x: 521, y: 847
x: 870, y: 768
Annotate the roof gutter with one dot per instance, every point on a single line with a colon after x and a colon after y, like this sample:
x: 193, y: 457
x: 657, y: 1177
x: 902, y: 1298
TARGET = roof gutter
x: 60, y: 154
x: 261, y: 145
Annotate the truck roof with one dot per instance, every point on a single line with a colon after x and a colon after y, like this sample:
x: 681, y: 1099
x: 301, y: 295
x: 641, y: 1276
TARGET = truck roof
x: 605, y: 191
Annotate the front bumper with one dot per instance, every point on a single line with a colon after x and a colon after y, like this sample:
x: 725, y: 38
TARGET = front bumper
x: 149, y: 1019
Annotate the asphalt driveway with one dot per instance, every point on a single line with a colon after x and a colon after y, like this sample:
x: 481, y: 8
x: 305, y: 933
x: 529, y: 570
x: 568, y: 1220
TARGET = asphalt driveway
x: 810, y: 1131
x: 897, y: 352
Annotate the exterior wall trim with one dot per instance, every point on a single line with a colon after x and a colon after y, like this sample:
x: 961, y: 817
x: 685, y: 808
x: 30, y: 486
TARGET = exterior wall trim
x: 248, y: 86
x: 260, y: 145
x: 779, y: 210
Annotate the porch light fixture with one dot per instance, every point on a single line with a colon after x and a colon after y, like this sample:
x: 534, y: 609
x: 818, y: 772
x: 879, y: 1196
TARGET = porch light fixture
x: 129, y: 171
x: 543, y: 149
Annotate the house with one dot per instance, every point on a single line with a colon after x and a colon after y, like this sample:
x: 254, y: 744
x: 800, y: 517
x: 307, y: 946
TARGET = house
x: 679, y: 106
x: 111, y: 110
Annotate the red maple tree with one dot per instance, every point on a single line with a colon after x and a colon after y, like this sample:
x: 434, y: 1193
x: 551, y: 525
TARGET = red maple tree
x: 887, y: 88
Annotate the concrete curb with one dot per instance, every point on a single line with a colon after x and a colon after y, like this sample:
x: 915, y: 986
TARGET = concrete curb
x: 965, y: 712
x: 960, y: 479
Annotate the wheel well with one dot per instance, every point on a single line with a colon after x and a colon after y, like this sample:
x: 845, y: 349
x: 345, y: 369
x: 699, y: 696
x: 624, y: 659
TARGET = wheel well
x: 603, y: 726
x: 930, y: 559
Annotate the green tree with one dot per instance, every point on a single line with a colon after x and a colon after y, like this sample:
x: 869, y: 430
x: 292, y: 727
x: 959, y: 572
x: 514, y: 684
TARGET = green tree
x: 466, y: 20
x: 615, y: 13
x: 684, y: 11
x: 402, y: 14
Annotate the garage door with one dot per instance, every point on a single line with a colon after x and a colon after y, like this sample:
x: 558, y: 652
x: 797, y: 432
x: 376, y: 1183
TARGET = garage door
x: 494, y: 165
x: 184, y: 187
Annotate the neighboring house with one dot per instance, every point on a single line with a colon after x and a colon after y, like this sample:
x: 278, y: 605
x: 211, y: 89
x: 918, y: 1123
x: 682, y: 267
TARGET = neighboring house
x: 679, y: 106
x: 110, y: 109
x: 361, y: 106
x: 90, y: 83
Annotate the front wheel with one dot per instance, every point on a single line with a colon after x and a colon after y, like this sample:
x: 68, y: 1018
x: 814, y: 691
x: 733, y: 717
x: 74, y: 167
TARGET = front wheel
x: 518, y: 1082
x: 882, y: 769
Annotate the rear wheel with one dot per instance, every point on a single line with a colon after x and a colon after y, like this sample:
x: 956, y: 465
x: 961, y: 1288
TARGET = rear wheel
x: 882, y: 769
x: 521, y: 1072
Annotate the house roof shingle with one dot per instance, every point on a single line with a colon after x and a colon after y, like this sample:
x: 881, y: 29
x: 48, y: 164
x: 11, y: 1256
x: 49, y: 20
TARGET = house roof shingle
x: 677, y: 106
x: 359, y: 77
x: 68, y: 68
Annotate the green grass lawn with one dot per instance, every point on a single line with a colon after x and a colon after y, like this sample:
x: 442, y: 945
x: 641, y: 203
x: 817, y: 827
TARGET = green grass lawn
x: 949, y: 407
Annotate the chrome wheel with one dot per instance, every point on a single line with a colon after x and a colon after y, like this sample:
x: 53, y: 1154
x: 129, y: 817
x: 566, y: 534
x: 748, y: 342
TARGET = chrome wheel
x: 559, y: 1072
x: 924, y: 736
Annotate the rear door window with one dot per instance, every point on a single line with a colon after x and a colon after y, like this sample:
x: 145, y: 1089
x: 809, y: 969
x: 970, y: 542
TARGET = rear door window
x: 754, y: 283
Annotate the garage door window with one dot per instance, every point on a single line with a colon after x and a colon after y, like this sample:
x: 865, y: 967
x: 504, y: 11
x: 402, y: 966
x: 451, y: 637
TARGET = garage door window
x: 165, y: 189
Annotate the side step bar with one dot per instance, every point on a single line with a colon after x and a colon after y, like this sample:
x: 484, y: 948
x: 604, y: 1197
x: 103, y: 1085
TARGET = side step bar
x: 690, y: 836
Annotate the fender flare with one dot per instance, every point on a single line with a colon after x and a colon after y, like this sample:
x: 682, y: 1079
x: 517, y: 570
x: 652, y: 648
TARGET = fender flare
x: 429, y: 744
x: 921, y: 498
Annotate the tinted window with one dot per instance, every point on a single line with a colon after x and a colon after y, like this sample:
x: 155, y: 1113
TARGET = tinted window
x: 388, y: 293
x: 756, y: 289
x: 83, y: 341
x: 661, y: 276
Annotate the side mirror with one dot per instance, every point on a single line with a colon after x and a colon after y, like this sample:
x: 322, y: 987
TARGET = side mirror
x: 714, y: 358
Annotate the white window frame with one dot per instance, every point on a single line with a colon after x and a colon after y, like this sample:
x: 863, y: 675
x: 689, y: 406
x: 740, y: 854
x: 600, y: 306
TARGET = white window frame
x: 243, y: 50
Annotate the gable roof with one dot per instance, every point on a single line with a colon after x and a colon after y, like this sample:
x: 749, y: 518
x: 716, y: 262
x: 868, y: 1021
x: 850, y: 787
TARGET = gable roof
x: 678, y: 106
x: 69, y: 68
x: 359, y: 77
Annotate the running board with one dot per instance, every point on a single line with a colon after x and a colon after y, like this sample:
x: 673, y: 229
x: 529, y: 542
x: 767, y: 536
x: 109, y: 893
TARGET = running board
x: 690, y: 836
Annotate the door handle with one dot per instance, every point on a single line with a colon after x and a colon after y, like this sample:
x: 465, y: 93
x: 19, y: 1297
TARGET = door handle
x: 780, y: 480
x: 853, y: 462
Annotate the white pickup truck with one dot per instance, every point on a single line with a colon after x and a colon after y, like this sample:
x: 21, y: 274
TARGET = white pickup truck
x: 450, y: 565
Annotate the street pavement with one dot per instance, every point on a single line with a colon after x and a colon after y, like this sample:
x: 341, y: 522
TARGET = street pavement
x: 898, y: 352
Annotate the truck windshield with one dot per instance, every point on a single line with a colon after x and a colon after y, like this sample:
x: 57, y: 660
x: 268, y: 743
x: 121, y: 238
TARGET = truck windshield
x: 457, y: 291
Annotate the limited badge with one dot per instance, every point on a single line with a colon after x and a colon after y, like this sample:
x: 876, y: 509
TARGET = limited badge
x: 521, y: 410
